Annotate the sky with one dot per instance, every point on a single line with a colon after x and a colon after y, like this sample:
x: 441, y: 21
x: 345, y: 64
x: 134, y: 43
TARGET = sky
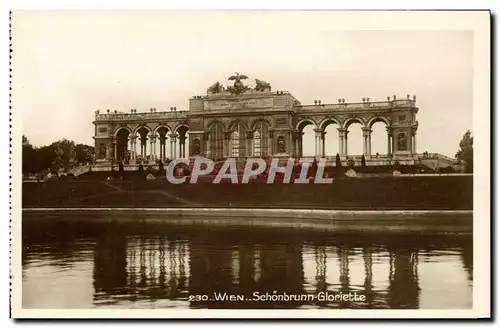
x: 67, y: 64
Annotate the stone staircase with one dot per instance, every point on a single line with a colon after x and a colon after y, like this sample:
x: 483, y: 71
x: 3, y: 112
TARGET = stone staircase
x: 436, y: 161
x: 79, y: 170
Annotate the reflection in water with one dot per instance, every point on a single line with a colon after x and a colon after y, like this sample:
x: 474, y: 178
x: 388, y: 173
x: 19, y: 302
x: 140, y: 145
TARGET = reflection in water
x: 145, y: 265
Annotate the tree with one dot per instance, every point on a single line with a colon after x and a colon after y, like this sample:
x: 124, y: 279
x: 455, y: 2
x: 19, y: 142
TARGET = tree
x: 30, y: 163
x: 65, y: 153
x: 363, y: 160
x: 338, y: 162
x: 60, y: 154
x: 46, y: 157
x: 84, y: 154
x: 466, y: 152
x: 25, y: 140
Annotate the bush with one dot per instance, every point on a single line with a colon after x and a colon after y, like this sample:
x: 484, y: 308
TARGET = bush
x: 338, y: 162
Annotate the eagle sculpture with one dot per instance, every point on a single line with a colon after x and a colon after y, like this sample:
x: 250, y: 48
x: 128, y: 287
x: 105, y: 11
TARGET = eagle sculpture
x: 237, y: 77
x: 238, y: 87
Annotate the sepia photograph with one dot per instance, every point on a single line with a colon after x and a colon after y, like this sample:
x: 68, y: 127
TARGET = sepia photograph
x: 182, y: 164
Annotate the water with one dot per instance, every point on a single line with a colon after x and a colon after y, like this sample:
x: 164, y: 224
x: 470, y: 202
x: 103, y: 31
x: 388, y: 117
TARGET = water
x: 70, y: 263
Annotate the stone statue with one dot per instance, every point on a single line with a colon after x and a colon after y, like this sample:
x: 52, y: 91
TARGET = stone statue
x: 402, y: 141
x: 196, y: 146
x: 238, y: 87
x: 262, y: 85
x: 102, y: 151
x: 281, y: 144
x: 216, y: 88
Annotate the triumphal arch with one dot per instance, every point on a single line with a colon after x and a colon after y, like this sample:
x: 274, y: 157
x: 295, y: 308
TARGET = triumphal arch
x: 250, y: 120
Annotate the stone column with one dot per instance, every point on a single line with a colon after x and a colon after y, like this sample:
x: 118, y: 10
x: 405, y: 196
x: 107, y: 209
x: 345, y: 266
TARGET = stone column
x: 151, y: 155
x: 132, y: 144
x: 143, y: 147
x: 205, y: 150
x: 341, y: 144
x: 298, y: 143
x: 181, y: 139
x: 226, y: 151
x: 154, y: 148
x: 323, y: 152
x: 175, y: 147
x: 301, y: 144
x: 342, y: 141
x: 414, y: 142
x: 114, y: 150
x: 271, y: 143
x: 161, y: 148
x: 297, y: 146
x: 389, y: 136
x: 346, y: 151
x: 366, y: 140
x: 370, y: 144
x: 165, y: 149
x: 172, y: 147
x: 249, y: 150
x: 318, y: 142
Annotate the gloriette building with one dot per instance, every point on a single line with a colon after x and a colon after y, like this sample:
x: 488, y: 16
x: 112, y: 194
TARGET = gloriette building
x: 251, y: 121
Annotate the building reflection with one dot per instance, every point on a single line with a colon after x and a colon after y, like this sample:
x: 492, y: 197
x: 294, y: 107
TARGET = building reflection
x: 221, y: 269
x: 402, y: 275
x: 163, y: 267
x: 467, y: 255
x: 143, y: 268
x: 404, y: 290
x: 110, y: 264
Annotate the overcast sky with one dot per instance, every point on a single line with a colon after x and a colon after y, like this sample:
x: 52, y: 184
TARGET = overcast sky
x: 68, y: 64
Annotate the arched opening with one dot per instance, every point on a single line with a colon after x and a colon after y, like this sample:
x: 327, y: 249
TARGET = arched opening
x: 306, y: 139
x: 261, y: 139
x: 330, y: 138
x: 183, y: 136
x: 143, y: 138
x: 378, y: 138
x: 122, y: 153
x: 238, y: 138
x: 163, y: 135
x: 354, y: 138
x: 216, y: 140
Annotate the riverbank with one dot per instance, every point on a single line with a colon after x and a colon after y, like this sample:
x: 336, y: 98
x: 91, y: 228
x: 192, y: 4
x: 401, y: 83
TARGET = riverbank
x: 330, y: 220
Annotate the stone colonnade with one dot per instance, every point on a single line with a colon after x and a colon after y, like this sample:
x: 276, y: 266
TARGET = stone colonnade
x: 159, y: 148
x: 319, y: 142
x: 153, y: 147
